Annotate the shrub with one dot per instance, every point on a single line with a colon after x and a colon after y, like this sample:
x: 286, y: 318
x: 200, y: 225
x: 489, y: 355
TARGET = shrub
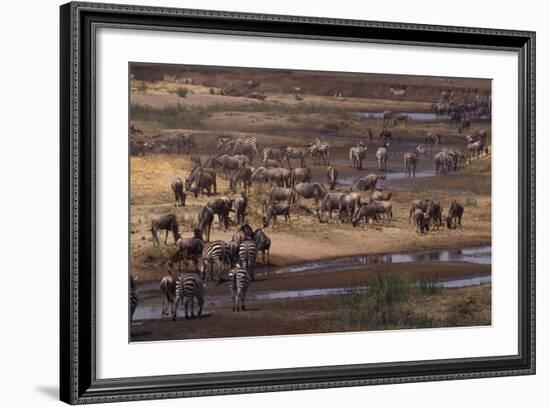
x: 182, y: 92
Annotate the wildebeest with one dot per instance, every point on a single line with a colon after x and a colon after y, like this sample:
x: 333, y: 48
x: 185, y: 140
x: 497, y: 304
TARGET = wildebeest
x: 279, y: 176
x: 346, y: 208
x: 421, y: 204
x: 227, y: 163
x: 310, y: 190
x: 385, y: 135
x: 240, y: 146
x: 434, y: 213
x: 260, y: 175
x: 203, y: 182
x: 244, y: 232
x: 387, y: 118
x: 330, y: 202
x: 302, y: 174
x: 270, y: 163
x: 241, y: 176
x: 247, y: 149
x: 139, y: 148
x: 464, y: 124
x: 421, y: 220
x: 382, y: 157
x: 192, y: 178
x: 179, y: 194
x: 222, y: 207
x: 274, y: 210
x: 188, y: 249
x: 332, y: 175
x: 206, y: 217
x: 364, y: 213
x: 401, y: 117
x: 379, y: 196
x: 454, y: 215
x: 169, y: 223
x: 278, y: 194
x: 263, y: 243
x: 356, y: 156
x: 274, y: 153
x: 384, y: 207
x: 240, y: 203
x: 367, y: 183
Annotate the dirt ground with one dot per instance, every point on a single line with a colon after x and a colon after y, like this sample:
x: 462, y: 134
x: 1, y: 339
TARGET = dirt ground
x: 283, y: 118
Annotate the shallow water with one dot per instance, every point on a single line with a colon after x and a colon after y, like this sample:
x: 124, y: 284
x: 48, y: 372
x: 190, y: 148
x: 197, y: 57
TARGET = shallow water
x: 151, y: 303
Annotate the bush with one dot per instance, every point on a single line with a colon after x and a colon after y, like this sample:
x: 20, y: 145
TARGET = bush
x: 182, y: 92
x: 470, y: 201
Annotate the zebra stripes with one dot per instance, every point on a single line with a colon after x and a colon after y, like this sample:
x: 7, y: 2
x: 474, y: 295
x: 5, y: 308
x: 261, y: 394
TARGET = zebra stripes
x: 133, y: 298
x: 216, y: 251
x: 189, y: 287
x: 185, y: 141
x: 239, y: 281
x: 320, y: 150
x: 247, y: 256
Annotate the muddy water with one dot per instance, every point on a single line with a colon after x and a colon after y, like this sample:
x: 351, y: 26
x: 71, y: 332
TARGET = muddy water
x: 419, y: 116
x: 150, y: 300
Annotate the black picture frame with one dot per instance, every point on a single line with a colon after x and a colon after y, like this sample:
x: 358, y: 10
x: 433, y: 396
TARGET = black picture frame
x: 78, y: 382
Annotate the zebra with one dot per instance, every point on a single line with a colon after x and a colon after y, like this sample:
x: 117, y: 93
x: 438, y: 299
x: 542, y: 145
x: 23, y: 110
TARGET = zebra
x: 357, y: 155
x: 239, y: 280
x: 188, y: 287
x: 411, y: 159
x: 216, y: 251
x: 247, y: 256
x: 320, y: 150
x: 185, y: 141
x: 296, y: 154
x: 168, y: 292
x: 133, y: 299
x: 382, y: 157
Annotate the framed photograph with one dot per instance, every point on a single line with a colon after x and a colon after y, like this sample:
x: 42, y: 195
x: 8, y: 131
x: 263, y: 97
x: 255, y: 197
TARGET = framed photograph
x: 254, y: 203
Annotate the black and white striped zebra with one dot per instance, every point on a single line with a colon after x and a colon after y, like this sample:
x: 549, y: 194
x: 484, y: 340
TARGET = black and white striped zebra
x: 320, y: 150
x: 218, y: 252
x: 133, y: 298
x: 239, y: 280
x: 188, y: 287
x: 247, y: 256
x: 185, y: 141
x: 295, y: 153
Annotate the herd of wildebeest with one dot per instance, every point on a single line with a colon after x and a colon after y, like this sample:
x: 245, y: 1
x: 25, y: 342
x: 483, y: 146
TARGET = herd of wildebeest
x: 287, y: 180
